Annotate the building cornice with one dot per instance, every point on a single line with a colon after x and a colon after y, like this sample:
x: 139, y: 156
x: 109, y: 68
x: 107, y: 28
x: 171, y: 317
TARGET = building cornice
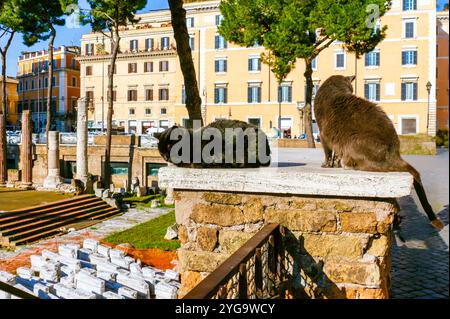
x: 126, y: 56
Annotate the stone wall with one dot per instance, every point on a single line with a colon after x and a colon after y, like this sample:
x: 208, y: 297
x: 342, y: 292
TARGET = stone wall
x: 338, y: 224
x: 343, y: 244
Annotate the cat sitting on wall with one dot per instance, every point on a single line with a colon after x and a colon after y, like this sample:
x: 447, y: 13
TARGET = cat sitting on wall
x: 222, y: 144
x: 360, y: 135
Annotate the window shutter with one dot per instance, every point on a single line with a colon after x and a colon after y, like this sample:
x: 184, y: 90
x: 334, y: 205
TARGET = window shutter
x: 259, y: 94
x: 415, y: 57
x: 259, y: 64
x: 366, y: 91
x: 415, y: 92
x: 367, y: 60
x: 403, y: 57
x: 378, y: 91
x: 225, y: 44
x: 250, y: 64
x: 279, y: 94
x: 250, y: 97
x: 290, y: 94
x: 378, y: 58
x: 403, y: 91
x: 225, y: 65
x: 216, y: 66
x: 217, y: 42
x: 225, y: 95
x: 216, y: 95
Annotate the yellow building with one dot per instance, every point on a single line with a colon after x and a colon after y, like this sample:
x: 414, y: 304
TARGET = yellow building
x: 33, y: 83
x: 442, y: 69
x: 12, y: 99
x: 234, y: 84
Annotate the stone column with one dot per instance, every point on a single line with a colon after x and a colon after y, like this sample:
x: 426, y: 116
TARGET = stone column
x: 26, y: 149
x: 3, y: 151
x: 82, y: 141
x: 53, y: 179
x: 169, y: 200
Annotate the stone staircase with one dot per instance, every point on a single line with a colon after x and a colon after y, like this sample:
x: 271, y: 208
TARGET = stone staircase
x: 31, y: 224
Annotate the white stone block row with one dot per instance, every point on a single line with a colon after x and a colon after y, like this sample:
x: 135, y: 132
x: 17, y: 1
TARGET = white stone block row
x: 106, y: 275
x: 121, y: 262
x: 84, y: 254
x: 70, y: 262
x: 37, y: 262
x: 135, y: 268
x: 25, y: 273
x: 47, y: 254
x: 172, y: 275
x: 84, y: 280
x: 68, y: 251
x: 67, y: 271
x: 142, y: 287
x: 89, y: 271
x: 127, y: 293
x: 69, y: 293
x: 68, y: 281
x: 165, y: 291
x: 103, y: 250
x: 107, y: 266
x: 91, y: 244
x: 111, y: 295
x: 96, y: 258
x: 49, y: 274
x: 117, y: 253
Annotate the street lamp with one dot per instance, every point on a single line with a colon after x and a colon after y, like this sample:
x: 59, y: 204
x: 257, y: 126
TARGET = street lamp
x: 429, y: 85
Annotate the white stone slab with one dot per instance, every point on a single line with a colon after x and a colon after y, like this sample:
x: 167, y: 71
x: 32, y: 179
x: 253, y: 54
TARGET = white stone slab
x: 128, y: 293
x: 91, y: 244
x: 112, y: 295
x: 25, y: 273
x: 172, y: 275
x: 67, y: 251
x: 103, y: 250
x: 6, y: 277
x: 117, y: 253
x: 295, y: 180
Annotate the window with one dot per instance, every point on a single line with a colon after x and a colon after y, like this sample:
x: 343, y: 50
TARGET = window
x: 339, y: 60
x: 254, y: 64
x: 88, y: 70
x: 163, y: 111
x: 132, y: 67
x: 163, y: 66
x: 32, y: 84
x: 45, y: 84
x: 114, y: 94
x: 372, y: 58
x: 190, y: 22
x: 20, y: 86
x: 131, y: 111
x: 74, y: 81
x: 410, y: 29
x: 254, y: 93
x: 314, y: 64
x: 54, y: 64
x: 73, y: 64
x: 132, y: 95
x: 164, y: 124
x: 164, y: 94
x: 409, y: 5
x: 109, y: 69
x: 409, y: 91
x: 255, y: 121
x: 315, y: 89
x: 219, y: 19
x: 134, y: 45
x: 183, y: 95
x: 89, y: 49
x: 46, y: 66
x: 149, y: 44
x: 372, y: 91
x: 119, y: 168
x: 220, y: 42
x: 220, y: 94
x: 54, y: 81
x: 221, y: 65
x: 285, y: 93
x: 192, y: 42
x: 148, y: 111
x: 165, y: 43
x: 409, y: 125
x: 149, y: 94
x: 90, y: 96
x: 153, y: 168
x: 409, y: 57
x: 148, y: 66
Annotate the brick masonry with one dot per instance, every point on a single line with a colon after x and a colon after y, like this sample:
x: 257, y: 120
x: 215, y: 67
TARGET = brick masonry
x: 342, y: 245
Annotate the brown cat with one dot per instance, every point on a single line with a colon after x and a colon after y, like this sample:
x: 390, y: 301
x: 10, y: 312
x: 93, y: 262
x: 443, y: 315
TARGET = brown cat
x: 360, y: 135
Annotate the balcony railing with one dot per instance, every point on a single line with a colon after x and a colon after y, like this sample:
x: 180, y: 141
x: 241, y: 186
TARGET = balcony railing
x: 260, y: 269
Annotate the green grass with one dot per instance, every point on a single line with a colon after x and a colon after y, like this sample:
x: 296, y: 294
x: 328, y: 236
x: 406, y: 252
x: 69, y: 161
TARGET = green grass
x: 148, y: 235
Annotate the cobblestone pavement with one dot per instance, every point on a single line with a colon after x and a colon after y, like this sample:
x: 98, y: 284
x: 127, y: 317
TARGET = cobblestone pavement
x: 420, y: 265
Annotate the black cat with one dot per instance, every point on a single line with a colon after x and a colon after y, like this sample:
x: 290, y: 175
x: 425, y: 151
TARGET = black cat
x: 237, y: 145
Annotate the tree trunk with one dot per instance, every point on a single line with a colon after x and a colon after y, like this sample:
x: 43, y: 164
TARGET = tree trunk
x: 50, y: 83
x: 193, y: 100
x: 3, y: 112
x: 107, y: 163
x: 307, y: 111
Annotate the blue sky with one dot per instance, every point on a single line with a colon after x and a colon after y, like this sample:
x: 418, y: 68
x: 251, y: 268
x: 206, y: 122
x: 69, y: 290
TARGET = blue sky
x: 72, y: 36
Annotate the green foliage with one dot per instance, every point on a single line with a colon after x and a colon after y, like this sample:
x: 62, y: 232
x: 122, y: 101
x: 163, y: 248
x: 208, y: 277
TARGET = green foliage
x: 40, y: 17
x: 10, y: 17
x: 442, y: 138
x: 293, y: 29
x: 148, y: 235
x: 109, y: 14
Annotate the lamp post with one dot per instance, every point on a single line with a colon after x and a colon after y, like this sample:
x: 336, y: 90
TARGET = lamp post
x: 280, y: 134
x: 428, y: 85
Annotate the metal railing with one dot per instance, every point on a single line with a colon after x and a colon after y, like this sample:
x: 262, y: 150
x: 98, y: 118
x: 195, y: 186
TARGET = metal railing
x: 15, y: 291
x: 258, y: 270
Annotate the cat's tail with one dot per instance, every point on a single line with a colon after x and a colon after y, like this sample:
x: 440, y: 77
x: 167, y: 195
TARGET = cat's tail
x: 418, y: 186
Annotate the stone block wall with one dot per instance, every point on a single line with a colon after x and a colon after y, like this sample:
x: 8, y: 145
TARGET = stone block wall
x: 341, y: 246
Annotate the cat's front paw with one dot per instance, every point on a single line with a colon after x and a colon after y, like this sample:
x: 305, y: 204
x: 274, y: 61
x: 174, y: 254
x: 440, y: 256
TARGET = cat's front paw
x: 327, y: 164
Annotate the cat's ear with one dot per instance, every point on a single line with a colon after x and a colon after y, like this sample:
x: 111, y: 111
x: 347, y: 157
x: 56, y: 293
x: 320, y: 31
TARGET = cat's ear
x: 351, y: 78
x: 157, y: 135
